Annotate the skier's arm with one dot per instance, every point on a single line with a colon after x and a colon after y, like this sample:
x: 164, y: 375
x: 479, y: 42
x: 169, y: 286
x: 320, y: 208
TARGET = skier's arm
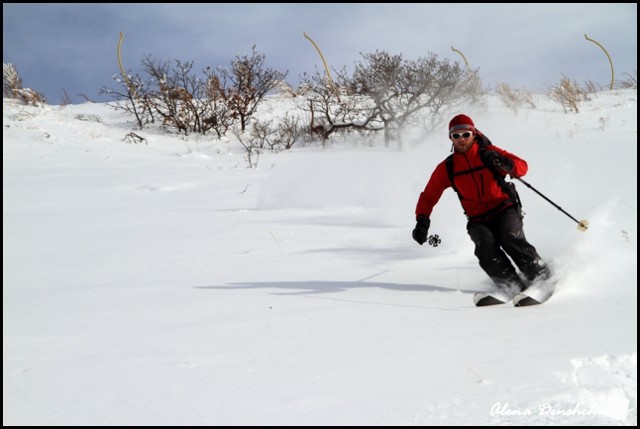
x: 438, y: 182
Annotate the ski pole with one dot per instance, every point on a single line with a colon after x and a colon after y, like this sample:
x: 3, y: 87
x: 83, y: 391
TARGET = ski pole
x: 582, y: 225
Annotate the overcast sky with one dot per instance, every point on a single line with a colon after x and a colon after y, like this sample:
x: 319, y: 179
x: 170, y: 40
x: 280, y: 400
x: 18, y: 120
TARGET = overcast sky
x: 58, y: 47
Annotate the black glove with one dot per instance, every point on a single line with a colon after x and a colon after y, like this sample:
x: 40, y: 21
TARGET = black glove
x: 493, y: 157
x: 421, y: 230
x: 482, y: 140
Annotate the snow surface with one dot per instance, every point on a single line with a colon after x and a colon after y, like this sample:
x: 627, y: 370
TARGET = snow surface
x: 168, y: 284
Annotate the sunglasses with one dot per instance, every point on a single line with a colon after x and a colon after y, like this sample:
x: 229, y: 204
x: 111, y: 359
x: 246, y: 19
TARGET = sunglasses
x: 465, y: 135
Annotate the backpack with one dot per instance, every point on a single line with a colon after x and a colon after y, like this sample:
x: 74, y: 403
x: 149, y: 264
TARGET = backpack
x: 508, y: 188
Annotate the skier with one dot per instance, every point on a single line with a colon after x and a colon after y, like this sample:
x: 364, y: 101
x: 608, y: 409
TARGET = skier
x: 476, y: 171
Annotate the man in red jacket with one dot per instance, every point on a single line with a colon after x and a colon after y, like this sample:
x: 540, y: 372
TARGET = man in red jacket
x: 476, y: 171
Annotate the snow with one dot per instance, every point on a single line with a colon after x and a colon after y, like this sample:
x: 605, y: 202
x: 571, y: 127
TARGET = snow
x: 168, y: 284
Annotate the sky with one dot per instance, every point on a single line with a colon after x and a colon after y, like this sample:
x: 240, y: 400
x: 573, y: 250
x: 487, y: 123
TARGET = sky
x: 72, y: 48
x: 166, y: 283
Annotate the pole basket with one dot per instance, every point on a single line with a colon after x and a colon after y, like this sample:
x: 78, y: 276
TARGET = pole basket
x: 583, y: 225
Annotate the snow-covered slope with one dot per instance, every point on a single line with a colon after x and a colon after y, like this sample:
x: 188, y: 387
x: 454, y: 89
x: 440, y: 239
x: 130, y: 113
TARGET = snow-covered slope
x: 168, y: 284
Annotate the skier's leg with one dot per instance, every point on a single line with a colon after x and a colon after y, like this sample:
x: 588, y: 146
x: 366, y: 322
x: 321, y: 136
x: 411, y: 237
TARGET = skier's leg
x: 514, y: 242
x: 492, y: 259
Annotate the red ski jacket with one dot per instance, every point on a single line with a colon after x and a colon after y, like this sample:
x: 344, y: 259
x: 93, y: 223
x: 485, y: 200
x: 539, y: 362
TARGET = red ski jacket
x: 479, y: 191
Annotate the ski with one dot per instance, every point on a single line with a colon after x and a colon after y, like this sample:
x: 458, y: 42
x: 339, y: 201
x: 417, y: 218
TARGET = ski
x: 482, y: 299
x: 524, y: 300
x: 536, y: 295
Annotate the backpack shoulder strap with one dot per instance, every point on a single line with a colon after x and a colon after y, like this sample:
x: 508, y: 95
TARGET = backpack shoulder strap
x: 507, y: 187
x: 449, y: 164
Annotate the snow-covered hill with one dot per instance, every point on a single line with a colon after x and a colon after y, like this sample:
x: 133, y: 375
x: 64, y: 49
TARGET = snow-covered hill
x: 168, y: 284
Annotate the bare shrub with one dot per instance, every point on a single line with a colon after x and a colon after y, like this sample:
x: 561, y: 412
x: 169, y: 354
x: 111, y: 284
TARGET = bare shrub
x: 529, y: 99
x: 569, y: 94
x: 90, y: 118
x: 604, y: 122
x: 514, y: 98
x: 23, y: 116
x: 66, y: 99
x: 133, y: 138
x: 253, y: 141
x: 408, y: 91
x: 283, y: 88
x: 329, y: 111
x: 29, y: 96
x: 629, y: 81
x: 175, y: 97
x: 86, y: 98
x: 11, y: 80
x: 246, y: 83
x: 220, y: 115
x: 471, y: 86
x: 12, y: 87
x: 262, y: 135
x: 592, y: 87
x: 132, y: 99
x: 287, y: 133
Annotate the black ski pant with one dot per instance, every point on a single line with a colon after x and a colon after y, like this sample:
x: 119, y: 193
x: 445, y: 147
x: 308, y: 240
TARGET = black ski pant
x: 502, y: 235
